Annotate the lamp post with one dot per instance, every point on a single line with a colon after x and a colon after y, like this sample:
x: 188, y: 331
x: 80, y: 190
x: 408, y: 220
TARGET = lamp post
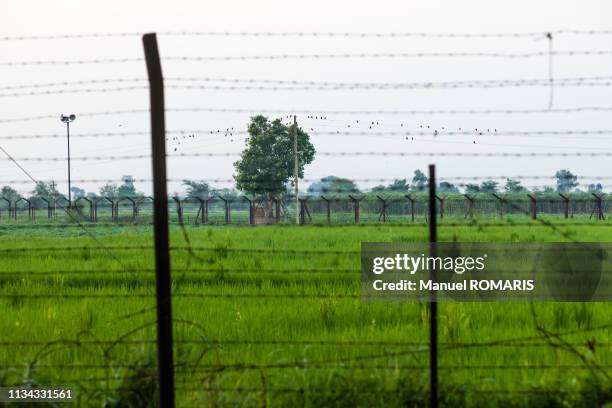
x: 67, y: 120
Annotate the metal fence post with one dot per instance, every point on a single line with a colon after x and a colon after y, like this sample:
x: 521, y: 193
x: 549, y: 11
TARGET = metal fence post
x: 501, y: 204
x: 433, y: 305
x: 160, y: 216
x: 251, y: 215
x: 327, y: 209
x: 598, y: 207
x: 411, y: 199
x: 441, y: 201
x: 470, y: 211
x: 355, y: 208
x: 566, y: 205
x: 383, y: 210
x: 534, y: 208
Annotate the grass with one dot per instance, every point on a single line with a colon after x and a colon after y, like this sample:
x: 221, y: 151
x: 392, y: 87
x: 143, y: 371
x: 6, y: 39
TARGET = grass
x: 256, y: 326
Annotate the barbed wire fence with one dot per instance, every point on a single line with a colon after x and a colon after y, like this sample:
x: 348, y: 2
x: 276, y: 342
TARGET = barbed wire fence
x: 329, y: 207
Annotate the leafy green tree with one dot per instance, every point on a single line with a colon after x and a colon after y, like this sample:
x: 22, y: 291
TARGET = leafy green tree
x: 108, y: 190
x: 446, y: 187
x: 266, y: 164
x: 419, y: 181
x: 127, y: 189
x: 326, y: 184
x: 10, y: 193
x: 77, y: 192
x: 566, y: 180
x: 595, y: 188
x: 488, y: 186
x: 340, y: 185
x: 47, y: 190
x: 196, y: 189
x: 514, y: 186
x: 398, y: 186
x: 472, y: 188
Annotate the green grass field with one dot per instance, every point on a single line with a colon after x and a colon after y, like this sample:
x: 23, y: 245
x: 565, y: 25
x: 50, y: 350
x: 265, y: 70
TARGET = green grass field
x: 271, y: 316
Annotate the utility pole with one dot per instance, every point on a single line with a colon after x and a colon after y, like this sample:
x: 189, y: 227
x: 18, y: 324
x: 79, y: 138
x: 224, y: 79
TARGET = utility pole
x: 67, y: 120
x: 295, y: 170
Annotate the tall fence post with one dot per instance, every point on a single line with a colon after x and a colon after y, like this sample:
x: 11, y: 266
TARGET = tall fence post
x: 433, y: 305
x: 160, y: 217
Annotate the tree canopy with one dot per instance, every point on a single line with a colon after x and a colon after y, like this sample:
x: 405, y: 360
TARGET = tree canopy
x: 266, y: 164
x: 333, y: 184
x: 566, y: 180
x: 47, y: 190
x: 419, y: 181
x: 398, y: 186
x: 514, y: 186
x: 127, y: 189
x: 196, y: 189
x: 488, y: 186
x: 10, y: 193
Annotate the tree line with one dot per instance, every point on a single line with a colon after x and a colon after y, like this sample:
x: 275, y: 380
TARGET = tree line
x: 265, y: 170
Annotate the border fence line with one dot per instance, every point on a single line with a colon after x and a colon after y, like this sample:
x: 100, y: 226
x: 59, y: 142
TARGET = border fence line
x: 332, y: 207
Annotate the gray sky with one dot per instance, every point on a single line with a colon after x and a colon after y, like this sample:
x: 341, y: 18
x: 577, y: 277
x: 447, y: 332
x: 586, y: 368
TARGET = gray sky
x: 47, y: 18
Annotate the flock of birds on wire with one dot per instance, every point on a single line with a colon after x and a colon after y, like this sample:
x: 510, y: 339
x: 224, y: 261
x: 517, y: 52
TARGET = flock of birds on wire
x: 230, y: 135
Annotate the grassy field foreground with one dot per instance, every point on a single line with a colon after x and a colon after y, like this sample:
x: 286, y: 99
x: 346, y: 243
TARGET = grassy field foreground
x: 271, y: 316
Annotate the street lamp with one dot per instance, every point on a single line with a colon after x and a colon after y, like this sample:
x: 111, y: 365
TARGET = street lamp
x: 67, y: 120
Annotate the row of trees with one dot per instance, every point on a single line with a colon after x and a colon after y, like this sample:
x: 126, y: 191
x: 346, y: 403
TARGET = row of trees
x: 566, y: 182
x: 266, y: 169
x: 49, y: 190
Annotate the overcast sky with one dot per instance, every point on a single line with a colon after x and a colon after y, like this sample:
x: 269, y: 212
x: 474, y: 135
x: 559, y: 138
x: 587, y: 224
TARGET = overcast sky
x: 29, y: 18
